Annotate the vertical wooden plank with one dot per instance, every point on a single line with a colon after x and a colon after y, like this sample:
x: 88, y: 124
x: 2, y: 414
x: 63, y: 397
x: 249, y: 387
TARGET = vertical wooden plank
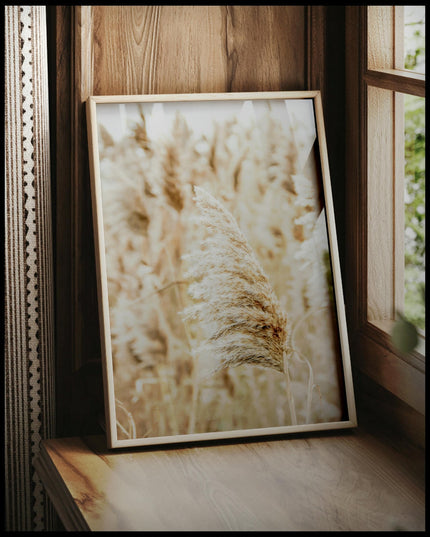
x: 133, y: 31
x: 192, y: 54
x: 384, y: 130
x: 316, y: 49
x: 399, y: 45
x: 399, y: 204
x: 355, y: 170
x: 59, y: 48
x: 380, y: 203
x: 265, y: 48
x: 399, y: 166
x: 86, y: 340
x: 380, y: 40
x: 76, y: 407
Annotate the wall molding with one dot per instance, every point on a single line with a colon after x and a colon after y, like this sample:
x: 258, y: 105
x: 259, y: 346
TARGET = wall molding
x: 29, y: 327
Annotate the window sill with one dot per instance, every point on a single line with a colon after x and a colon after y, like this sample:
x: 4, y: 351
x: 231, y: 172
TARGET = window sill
x: 283, y: 484
x: 402, y: 375
x: 415, y: 358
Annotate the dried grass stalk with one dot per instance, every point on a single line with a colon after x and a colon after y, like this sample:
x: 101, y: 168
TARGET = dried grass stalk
x: 234, y: 301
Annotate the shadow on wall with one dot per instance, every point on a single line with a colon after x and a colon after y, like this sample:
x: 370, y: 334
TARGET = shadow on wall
x: 85, y: 411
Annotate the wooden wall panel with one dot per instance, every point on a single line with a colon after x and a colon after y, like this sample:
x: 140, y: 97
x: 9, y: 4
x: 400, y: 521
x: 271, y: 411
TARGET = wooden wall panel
x: 175, y: 49
x: 188, y: 49
x: 146, y: 49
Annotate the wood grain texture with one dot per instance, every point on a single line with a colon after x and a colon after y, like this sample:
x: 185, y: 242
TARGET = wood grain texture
x: 316, y: 49
x: 349, y: 482
x: 190, y: 49
x: 63, y: 502
x: 380, y: 205
x: 399, y: 202
x: 381, y: 50
x: 395, y: 80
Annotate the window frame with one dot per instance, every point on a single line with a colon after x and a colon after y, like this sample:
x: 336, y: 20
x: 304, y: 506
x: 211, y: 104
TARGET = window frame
x: 366, y: 69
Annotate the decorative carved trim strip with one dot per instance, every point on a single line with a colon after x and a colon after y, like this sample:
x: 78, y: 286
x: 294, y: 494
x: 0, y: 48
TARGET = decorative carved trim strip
x: 29, y: 330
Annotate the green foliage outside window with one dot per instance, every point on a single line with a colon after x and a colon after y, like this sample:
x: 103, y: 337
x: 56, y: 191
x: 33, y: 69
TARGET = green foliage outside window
x: 415, y: 210
x: 414, y: 308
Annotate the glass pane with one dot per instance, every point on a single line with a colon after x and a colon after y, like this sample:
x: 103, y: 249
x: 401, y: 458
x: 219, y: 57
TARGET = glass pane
x: 414, y: 307
x: 414, y: 38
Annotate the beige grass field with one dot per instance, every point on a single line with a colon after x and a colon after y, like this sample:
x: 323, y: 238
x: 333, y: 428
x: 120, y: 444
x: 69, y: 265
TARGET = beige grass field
x: 219, y: 282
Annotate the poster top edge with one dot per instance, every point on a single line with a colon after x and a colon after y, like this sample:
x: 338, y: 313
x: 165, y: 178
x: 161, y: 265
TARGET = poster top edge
x: 171, y: 97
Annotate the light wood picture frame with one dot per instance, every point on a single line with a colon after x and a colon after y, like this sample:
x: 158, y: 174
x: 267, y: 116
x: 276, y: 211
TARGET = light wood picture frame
x: 220, y: 295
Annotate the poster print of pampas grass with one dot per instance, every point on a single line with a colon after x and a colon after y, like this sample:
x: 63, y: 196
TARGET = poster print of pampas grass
x: 216, y: 247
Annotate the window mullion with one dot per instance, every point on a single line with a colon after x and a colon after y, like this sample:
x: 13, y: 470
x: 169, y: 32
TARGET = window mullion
x: 399, y: 200
x: 380, y: 196
x: 398, y: 38
x: 394, y: 80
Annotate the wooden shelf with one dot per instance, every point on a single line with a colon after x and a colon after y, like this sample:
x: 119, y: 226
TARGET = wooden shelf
x: 343, y: 481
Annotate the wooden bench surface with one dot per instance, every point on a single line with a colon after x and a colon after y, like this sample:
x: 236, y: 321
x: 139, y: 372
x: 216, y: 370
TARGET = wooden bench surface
x: 347, y: 481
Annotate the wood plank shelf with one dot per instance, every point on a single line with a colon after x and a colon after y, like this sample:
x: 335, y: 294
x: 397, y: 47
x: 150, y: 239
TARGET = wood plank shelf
x: 343, y: 481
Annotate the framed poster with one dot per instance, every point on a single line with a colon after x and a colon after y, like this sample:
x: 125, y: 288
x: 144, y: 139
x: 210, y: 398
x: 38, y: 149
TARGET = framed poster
x: 221, y: 304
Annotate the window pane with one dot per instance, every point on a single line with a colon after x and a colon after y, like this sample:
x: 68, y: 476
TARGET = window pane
x: 414, y: 38
x: 414, y: 307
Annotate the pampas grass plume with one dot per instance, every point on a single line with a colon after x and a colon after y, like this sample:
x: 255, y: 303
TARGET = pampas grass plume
x: 234, y: 302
